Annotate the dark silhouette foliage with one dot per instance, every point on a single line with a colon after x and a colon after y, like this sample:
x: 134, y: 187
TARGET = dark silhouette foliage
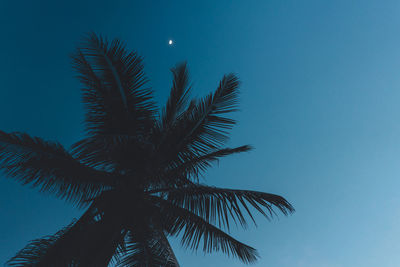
x: 137, y: 171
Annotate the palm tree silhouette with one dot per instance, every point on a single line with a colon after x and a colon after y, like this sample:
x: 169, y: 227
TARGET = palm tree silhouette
x: 137, y: 171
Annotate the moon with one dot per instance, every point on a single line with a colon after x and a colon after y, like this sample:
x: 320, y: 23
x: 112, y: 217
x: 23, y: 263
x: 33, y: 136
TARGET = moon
x: 170, y: 42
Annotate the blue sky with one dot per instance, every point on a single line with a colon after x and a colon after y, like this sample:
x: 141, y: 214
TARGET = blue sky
x: 320, y: 103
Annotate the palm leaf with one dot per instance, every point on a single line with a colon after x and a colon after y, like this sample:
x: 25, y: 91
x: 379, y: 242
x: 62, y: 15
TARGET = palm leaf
x: 195, y: 229
x: 202, y: 127
x: 206, y: 125
x: 48, y: 166
x: 64, y: 248
x: 182, y: 174
x: 196, y: 164
x: 89, y: 241
x: 114, y: 96
x: 178, y: 98
x: 219, y: 205
x: 36, y: 253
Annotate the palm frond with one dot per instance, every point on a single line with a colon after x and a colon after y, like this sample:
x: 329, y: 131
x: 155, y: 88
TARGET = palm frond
x: 114, y: 94
x: 48, y: 166
x: 36, y: 253
x: 186, y: 172
x: 206, y: 127
x: 64, y: 248
x: 197, y: 164
x: 194, y: 229
x: 178, y: 98
x: 200, y: 129
x: 93, y: 240
x: 219, y: 205
x: 203, y: 127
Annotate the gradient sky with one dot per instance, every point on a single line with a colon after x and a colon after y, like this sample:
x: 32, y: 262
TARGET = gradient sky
x: 320, y: 103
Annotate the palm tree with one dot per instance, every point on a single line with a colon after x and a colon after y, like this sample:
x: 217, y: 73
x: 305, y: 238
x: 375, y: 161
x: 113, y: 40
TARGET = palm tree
x: 137, y: 171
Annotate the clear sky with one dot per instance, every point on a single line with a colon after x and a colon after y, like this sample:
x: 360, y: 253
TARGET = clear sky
x: 320, y: 102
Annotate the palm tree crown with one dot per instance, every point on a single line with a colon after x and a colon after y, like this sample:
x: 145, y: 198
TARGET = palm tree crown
x: 137, y: 171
